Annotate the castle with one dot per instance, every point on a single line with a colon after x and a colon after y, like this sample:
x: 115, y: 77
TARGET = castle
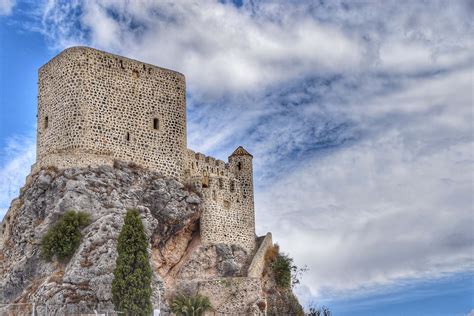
x: 95, y: 107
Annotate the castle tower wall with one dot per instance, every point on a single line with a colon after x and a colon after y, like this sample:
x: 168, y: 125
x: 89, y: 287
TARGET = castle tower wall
x: 241, y: 164
x: 94, y: 107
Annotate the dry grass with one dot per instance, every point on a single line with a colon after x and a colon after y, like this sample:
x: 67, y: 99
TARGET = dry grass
x: 272, y: 254
x: 57, y: 277
x: 52, y: 169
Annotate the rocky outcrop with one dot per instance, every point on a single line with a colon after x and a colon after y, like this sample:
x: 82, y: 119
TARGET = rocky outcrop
x: 170, y: 212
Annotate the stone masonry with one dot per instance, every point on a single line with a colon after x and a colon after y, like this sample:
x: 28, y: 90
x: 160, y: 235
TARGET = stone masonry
x: 95, y: 107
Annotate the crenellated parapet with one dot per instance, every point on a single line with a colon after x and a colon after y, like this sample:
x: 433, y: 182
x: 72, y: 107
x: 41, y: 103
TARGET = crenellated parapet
x: 228, y: 215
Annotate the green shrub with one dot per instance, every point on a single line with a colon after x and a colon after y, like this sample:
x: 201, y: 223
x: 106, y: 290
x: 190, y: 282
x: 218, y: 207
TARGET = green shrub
x: 64, y: 237
x: 195, y: 305
x: 131, y: 287
x: 282, y: 267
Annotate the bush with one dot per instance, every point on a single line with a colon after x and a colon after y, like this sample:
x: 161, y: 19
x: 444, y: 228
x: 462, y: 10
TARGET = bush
x: 131, y: 287
x: 282, y: 268
x: 195, y: 305
x: 285, y: 272
x: 64, y: 237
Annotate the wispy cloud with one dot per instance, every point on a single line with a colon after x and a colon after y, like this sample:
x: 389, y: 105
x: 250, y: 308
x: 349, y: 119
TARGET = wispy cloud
x: 6, y: 7
x: 17, y: 157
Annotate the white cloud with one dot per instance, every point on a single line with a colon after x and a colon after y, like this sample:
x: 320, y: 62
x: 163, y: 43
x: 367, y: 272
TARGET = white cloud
x: 6, y: 6
x: 395, y: 205
x: 219, y: 47
x: 17, y: 158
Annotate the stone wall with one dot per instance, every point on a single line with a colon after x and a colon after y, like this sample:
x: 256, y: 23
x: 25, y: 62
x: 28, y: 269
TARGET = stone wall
x: 258, y: 262
x: 98, y: 104
x: 233, y: 296
x: 228, y: 215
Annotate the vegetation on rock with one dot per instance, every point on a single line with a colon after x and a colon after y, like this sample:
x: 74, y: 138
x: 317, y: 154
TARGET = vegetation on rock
x: 194, y: 305
x: 286, y: 273
x: 322, y: 311
x: 131, y: 287
x: 283, y: 268
x: 64, y: 237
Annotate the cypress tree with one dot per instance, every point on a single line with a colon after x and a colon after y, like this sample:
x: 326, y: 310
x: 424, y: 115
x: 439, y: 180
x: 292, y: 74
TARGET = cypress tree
x: 131, y: 287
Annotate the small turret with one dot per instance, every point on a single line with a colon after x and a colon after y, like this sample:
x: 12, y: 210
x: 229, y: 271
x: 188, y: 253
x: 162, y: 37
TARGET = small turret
x: 241, y: 165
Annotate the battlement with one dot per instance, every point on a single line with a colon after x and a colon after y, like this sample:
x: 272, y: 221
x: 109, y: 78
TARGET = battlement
x: 95, y: 107
x: 198, y: 163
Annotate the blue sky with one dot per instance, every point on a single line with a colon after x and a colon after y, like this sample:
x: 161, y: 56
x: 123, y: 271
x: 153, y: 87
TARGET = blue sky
x: 359, y: 115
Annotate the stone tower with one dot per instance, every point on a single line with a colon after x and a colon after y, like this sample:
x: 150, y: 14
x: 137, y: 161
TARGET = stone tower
x: 241, y: 164
x: 94, y: 107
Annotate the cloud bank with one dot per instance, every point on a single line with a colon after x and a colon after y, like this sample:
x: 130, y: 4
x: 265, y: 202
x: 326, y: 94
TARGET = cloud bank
x: 359, y: 116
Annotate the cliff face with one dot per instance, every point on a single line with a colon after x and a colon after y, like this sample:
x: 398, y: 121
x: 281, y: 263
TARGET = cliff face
x: 170, y: 212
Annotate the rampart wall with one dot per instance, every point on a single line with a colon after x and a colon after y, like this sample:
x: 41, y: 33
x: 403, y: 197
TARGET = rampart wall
x: 233, y: 296
x: 258, y: 262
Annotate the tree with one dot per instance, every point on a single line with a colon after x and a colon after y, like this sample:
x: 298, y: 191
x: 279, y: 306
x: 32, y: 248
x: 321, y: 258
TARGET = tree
x: 322, y: 311
x: 64, y: 237
x: 131, y: 287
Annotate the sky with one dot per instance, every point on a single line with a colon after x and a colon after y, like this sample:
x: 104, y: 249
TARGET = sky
x: 359, y: 115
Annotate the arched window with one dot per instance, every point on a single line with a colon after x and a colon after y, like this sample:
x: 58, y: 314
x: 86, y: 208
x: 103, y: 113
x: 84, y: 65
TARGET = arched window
x: 239, y: 165
x: 46, y: 122
x: 156, y: 124
x: 127, y: 136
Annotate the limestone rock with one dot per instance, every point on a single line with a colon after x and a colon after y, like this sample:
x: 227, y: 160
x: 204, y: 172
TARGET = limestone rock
x: 105, y: 193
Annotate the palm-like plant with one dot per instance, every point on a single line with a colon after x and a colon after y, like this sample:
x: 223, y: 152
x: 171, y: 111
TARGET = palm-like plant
x: 194, y: 305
